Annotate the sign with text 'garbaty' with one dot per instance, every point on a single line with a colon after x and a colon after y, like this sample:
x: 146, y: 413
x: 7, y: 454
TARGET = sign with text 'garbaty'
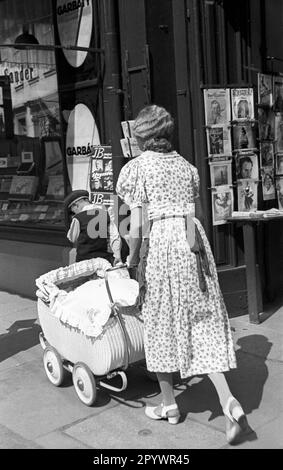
x: 82, y: 136
x: 74, y: 21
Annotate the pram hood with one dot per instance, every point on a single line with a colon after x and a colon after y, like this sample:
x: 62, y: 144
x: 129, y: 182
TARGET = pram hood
x: 87, y: 307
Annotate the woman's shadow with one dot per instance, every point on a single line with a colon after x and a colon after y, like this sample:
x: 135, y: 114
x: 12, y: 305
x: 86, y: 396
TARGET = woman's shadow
x: 21, y: 336
x: 246, y: 382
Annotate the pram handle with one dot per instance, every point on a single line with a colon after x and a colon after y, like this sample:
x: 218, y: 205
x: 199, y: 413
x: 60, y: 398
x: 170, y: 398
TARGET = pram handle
x: 120, y: 266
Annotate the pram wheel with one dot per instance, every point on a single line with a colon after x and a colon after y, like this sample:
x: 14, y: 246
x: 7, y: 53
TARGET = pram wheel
x: 84, y: 383
x: 53, y: 366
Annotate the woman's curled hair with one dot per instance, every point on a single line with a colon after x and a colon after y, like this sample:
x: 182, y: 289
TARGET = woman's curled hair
x: 153, y: 129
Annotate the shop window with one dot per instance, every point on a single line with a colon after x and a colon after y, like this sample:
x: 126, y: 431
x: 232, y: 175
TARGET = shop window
x: 32, y: 181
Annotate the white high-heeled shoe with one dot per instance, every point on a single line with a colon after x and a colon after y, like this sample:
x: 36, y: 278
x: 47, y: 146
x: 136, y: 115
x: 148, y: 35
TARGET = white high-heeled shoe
x: 173, y: 418
x: 236, y: 420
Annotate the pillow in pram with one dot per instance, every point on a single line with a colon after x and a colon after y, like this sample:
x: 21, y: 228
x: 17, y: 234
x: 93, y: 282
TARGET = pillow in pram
x: 88, y: 307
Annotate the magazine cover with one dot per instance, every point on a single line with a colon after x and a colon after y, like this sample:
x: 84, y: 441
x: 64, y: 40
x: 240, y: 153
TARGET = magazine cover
x: 279, y: 132
x: 265, y: 89
x: 217, y: 106
x: 219, y: 141
x: 221, y: 173
x: 244, y: 137
x: 127, y: 127
x: 247, y: 195
x: 279, y: 190
x: 130, y: 147
x: 242, y: 100
x: 279, y: 164
x: 268, y: 186
x: 266, y: 154
x: 278, y: 94
x: 266, y: 124
x: 222, y: 205
x: 247, y: 166
x: 101, y: 174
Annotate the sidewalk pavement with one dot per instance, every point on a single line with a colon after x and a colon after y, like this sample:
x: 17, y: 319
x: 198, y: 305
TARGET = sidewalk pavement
x: 35, y: 415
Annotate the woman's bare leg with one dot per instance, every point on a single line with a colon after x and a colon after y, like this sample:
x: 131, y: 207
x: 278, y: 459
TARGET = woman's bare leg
x: 219, y: 381
x: 166, y: 386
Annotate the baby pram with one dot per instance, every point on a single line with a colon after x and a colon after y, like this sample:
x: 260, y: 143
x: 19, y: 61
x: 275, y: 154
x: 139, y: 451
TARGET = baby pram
x: 91, y: 361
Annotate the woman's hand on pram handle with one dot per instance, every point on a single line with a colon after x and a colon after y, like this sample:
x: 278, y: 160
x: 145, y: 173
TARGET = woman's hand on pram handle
x: 118, y: 262
x: 118, y: 266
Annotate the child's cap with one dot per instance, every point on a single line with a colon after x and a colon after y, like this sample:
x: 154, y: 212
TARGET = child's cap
x: 73, y: 197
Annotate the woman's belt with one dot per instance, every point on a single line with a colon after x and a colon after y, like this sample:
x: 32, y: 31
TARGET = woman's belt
x: 196, y: 244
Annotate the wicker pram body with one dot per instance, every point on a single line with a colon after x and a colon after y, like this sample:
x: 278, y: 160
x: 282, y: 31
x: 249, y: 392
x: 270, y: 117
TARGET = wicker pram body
x: 91, y: 359
x: 104, y: 354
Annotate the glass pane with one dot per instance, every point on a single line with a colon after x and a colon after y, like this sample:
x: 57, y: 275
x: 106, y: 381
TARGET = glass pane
x: 31, y: 161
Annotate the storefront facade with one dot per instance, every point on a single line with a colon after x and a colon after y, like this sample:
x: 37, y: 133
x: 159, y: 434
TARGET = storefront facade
x: 129, y: 53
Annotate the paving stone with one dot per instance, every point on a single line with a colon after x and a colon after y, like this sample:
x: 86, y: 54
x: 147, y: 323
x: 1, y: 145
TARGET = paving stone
x: 12, y: 440
x: 59, y: 440
x: 128, y: 428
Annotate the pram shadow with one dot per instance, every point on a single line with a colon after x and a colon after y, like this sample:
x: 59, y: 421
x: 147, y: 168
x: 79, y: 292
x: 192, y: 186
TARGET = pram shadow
x: 140, y: 387
x: 21, y: 336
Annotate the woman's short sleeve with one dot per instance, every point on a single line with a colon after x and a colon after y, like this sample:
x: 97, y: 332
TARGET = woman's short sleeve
x: 131, y: 184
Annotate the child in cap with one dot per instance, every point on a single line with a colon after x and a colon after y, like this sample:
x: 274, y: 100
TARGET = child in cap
x: 92, y: 229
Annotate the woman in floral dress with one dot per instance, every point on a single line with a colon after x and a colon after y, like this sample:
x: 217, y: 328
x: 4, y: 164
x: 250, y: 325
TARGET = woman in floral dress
x: 186, y: 327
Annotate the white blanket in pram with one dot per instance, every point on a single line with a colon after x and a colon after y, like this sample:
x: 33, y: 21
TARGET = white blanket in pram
x: 87, y: 307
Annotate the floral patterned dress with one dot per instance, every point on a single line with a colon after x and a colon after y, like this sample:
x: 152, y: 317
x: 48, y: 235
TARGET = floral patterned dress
x: 185, y: 329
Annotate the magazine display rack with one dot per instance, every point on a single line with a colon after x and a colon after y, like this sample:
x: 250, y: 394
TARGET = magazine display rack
x: 270, y: 109
x: 243, y: 150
